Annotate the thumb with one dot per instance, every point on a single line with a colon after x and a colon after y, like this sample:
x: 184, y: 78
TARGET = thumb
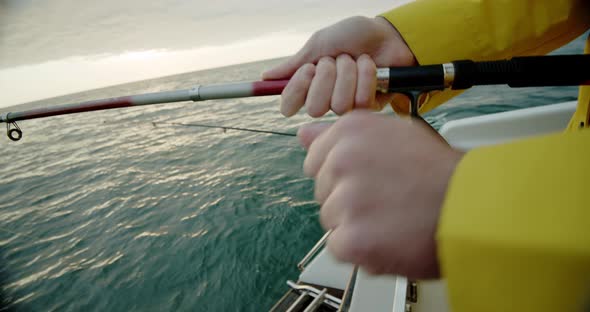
x: 284, y: 70
x: 309, y: 132
x: 307, y: 54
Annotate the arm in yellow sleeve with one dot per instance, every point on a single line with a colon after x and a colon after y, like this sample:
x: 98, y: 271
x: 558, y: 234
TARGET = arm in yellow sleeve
x: 514, y: 233
x: 443, y: 31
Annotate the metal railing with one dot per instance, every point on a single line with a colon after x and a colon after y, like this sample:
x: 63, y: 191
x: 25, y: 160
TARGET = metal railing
x: 313, y: 251
x: 315, y: 293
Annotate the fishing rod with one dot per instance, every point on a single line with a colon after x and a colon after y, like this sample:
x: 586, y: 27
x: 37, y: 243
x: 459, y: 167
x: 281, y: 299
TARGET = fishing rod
x: 413, y: 81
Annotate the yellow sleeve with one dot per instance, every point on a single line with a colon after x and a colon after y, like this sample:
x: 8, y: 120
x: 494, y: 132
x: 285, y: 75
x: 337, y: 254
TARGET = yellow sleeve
x: 514, y: 233
x: 443, y: 31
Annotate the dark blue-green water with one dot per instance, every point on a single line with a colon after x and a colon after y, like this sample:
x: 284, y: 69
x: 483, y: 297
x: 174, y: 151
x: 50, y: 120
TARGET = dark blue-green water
x: 104, y: 212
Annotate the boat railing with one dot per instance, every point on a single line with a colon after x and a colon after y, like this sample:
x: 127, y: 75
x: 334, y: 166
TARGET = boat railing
x: 313, y: 251
x: 347, y: 296
x: 320, y: 296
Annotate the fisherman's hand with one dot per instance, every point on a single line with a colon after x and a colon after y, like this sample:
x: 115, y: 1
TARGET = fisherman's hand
x: 381, y: 182
x: 336, y: 69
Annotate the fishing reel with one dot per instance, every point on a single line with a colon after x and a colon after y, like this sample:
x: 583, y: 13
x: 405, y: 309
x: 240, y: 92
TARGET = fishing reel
x: 13, y: 131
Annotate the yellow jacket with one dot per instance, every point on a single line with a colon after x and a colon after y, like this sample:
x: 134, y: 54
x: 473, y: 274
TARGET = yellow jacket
x: 514, y: 233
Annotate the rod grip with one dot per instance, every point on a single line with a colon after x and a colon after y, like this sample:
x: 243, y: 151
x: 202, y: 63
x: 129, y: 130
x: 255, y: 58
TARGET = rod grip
x: 402, y: 79
x: 530, y: 71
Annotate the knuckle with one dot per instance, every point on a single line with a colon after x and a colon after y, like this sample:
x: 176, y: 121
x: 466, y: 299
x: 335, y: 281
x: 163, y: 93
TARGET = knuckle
x: 356, y: 120
x: 340, y: 160
x: 350, y: 250
x: 307, y: 69
x: 363, y: 252
x: 342, y: 251
x: 300, y: 81
x: 345, y: 59
x: 367, y: 69
x: 339, y: 105
x: 362, y: 102
x: 364, y: 58
x: 327, y: 60
x: 346, y: 68
x: 315, y: 110
x: 326, y: 66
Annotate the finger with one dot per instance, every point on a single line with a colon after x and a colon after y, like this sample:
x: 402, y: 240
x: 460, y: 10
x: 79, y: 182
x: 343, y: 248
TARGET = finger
x: 339, y: 203
x: 322, y: 85
x: 382, y: 99
x: 318, y: 150
x: 366, y: 82
x: 345, y: 87
x: 287, y: 68
x: 307, y: 54
x: 337, y: 164
x: 309, y: 132
x: 294, y: 95
x: 344, y: 244
x: 284, y: 70
x: 373, y: 270
x: 352, y: 122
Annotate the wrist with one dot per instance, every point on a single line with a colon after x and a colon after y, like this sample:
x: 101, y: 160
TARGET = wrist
x: 394, y: 40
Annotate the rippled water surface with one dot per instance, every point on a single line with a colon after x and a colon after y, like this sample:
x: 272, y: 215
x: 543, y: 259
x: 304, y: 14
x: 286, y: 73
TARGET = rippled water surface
x: 105, y: 212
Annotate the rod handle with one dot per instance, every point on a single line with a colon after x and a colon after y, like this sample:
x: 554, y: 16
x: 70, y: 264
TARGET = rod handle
x: 530, y: 71
x: 413, y: 78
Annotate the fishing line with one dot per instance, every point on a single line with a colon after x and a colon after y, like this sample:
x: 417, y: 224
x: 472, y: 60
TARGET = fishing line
x: 224, y: 128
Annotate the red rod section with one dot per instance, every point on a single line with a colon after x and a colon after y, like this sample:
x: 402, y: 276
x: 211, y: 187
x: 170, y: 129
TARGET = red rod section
x: 270, y: 87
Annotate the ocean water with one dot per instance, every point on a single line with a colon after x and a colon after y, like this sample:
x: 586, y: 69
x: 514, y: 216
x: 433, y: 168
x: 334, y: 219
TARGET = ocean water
x: 105, y: 212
